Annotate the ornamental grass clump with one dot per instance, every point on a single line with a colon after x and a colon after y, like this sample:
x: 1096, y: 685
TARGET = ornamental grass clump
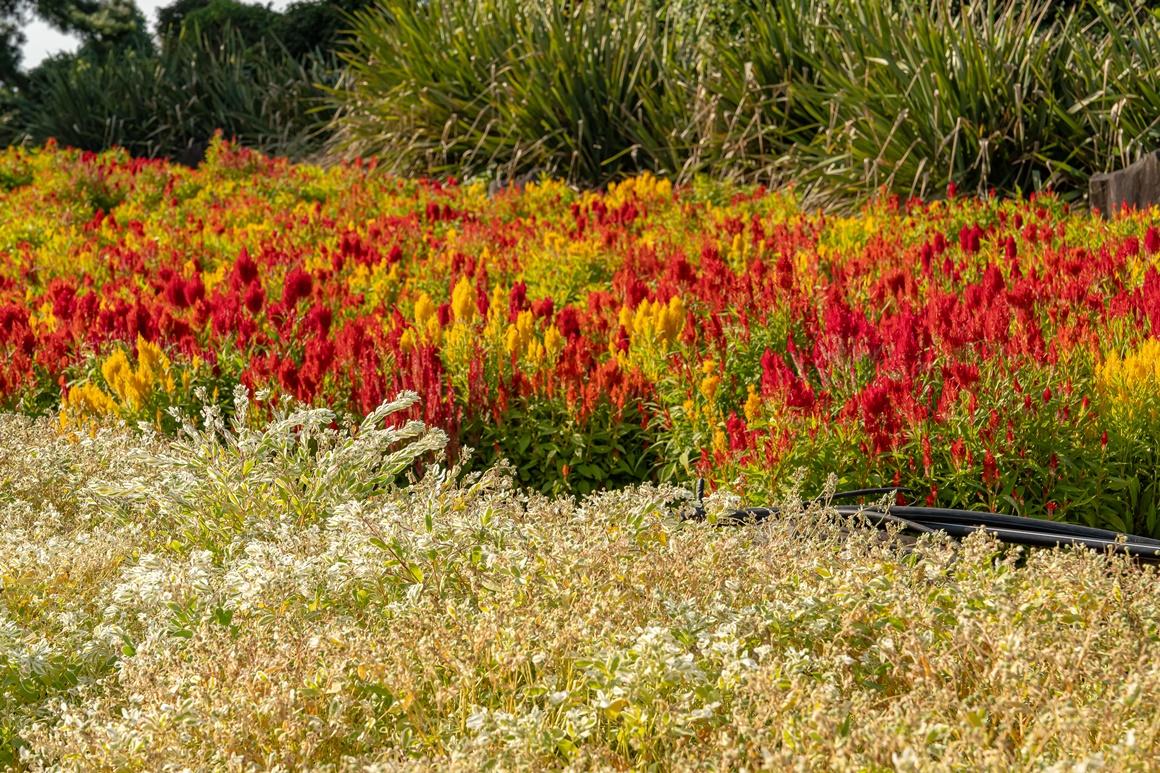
x: 326, y: 617
x: 843, y: 98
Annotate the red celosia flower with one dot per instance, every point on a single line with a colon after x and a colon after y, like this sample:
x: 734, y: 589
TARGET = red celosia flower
x: 777, y: 378
x: 175, y: 292
x: 568, y: 322
x: 990, y: 469
x: 255, y: 297
x: 318, y: 320
x: 517, y: 300
x: 958, y: 451
x: 295, y: 287
x: 738, y: 432
x: 1152, y: 240
x: 542, y: 309
x: 194, y: 290
x: 245, y: 269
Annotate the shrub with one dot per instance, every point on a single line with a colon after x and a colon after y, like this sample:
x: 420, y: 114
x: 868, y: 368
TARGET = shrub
x: 164, y: 104
x: 590, y: 90
x: 251, y: 23
x: 842, y: 97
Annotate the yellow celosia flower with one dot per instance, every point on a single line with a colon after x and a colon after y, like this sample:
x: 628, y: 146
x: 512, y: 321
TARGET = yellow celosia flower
x: 643, y: 187
x: 654, y: 322
x: 512, y: 341
x: 519, y: 333
x: 84, y: 405
x: 121, y: 379
x: 672, y: 320
x: 133, y: 386
x: 709, y: 386
x: 1131, y: 381
x: 536, y: 352
x: 425, y: 311
x: 496, y: 317
x: 553, y: 342
x: 463, y: 300
x: 720, y: 441
x: 625, y: 317
x: 153, y: 366
x: 433, y: 332
x: 752, y: 404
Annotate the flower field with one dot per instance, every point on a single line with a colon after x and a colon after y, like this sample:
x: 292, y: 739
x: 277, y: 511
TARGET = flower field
x: 242, y: 529
x: 986, y: 353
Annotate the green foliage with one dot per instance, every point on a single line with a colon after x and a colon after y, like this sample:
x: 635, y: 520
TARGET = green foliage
x: 843, y: 97
x: 253, y: 24
x: 585, y: 89
x: 552, y: 451
x: 911, y: 98
x: 310, y: 26
x: 103, y: 25
x: 171, y: 17
x: 11, y: 39
x: 163, y: 104
x: 307, y: 28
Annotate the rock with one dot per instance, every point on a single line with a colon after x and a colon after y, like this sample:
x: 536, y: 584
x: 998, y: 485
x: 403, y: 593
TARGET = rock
x: 1137, y: 185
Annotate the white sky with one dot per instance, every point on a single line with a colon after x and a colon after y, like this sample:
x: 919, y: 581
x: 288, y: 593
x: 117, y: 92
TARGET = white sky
x: 43, y: 41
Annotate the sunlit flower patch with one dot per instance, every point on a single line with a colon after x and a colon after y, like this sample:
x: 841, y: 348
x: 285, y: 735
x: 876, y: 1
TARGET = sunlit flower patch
x: 985, y: 353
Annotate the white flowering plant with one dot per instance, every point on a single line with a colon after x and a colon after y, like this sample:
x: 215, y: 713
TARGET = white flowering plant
x: 299, y: 594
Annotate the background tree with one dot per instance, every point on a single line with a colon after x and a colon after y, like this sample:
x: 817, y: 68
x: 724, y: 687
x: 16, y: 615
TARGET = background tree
x: 101, y: 25
x: 12, y: 17
x: 309, y: 26
x: 252, y: 22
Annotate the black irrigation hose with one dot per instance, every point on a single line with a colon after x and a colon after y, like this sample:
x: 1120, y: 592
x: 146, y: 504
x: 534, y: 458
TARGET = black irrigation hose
x: 1011, y: 529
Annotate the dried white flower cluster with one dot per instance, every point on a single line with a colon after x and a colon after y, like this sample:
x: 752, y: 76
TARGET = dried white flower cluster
x: 252, y: 597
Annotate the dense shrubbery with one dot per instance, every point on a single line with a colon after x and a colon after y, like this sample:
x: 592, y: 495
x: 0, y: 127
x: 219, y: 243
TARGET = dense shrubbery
x: 304, y: 28
x: 839, y: 96
x: 241, y: 68
x: 170, y: 103
x: 989, y: 353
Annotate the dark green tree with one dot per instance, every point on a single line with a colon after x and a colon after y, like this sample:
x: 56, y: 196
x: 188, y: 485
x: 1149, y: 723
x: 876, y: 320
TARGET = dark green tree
x: 309, y: 26
x: 12, y: 18
x: 254, y: 23
x: 102, y: 26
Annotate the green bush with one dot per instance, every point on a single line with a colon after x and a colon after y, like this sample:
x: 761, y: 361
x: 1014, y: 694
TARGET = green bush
x: 164, y: 104
x: 310, y: 26
x: 585, y: 89
x: 911, y: 98
x: 843, y: 97
x: 253, y: 23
